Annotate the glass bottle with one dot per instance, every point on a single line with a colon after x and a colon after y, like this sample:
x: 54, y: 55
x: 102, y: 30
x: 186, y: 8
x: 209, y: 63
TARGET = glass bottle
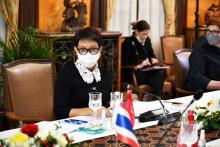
x: 188, y: 136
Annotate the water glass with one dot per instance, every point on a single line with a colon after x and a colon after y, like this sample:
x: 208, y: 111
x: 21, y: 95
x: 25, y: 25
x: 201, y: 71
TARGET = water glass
x: 95, y: 102
x: 116, y: 98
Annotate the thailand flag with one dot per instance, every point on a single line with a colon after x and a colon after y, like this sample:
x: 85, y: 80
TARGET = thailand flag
x: 129, y: 106
x: 124, y: 127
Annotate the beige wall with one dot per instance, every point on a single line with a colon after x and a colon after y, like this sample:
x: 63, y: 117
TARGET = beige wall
x: 50, y: 15
x: 203, y: 6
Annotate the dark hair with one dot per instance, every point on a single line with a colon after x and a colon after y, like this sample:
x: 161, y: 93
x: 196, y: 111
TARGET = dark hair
x: 141, y: 26
x: 89, y: 34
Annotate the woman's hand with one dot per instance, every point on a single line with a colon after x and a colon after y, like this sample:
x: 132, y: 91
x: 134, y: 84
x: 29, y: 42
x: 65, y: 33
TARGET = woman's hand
x: 154, y: 61
x: 103, y: 112
x: 139, y: 66
x: 146, y: 63
x: 142, y: 64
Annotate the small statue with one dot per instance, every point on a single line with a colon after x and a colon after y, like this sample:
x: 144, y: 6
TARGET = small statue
x: 74, y: 16
x: 213, y: 14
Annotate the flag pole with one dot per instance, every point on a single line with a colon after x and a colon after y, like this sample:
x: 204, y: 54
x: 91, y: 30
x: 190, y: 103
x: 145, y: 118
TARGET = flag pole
x: 116, y: 140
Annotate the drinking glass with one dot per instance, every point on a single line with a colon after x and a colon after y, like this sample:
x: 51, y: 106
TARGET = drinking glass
x: 116, y: 98
x: 95, y: 102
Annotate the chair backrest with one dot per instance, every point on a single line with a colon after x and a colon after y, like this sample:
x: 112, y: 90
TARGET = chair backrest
x: 169, y: 45
x: 28, y: 88
x: 181, y: 65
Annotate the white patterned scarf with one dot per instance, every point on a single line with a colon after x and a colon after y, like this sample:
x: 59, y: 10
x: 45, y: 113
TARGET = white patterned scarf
x: 88, y: 76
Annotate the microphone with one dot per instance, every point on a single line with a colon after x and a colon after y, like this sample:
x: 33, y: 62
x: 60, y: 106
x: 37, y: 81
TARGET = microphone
x: 196, y: 96
x: 166, y: 118
x: 165, y: 111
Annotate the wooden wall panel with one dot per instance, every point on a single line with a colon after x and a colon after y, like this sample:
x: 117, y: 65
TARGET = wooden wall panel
x: 181, y: 9
x: 50, y: 15
x: 203, y: 6
x: 98, y: 14
x: 28, y: 13
x: 46, y: 15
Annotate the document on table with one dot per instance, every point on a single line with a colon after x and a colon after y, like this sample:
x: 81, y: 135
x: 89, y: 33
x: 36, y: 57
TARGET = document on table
x: 141, y: 107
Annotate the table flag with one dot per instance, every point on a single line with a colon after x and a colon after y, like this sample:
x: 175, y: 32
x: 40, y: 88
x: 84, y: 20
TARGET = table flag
x: 124, y: 127
x: 129, y: 106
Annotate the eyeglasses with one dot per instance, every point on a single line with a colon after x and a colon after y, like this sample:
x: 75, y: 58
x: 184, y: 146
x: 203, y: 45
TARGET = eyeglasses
x: 84, y: 51
x: 215, y: 32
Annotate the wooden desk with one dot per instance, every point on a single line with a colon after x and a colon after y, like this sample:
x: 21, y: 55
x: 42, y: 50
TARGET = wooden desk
x: 62, y: 44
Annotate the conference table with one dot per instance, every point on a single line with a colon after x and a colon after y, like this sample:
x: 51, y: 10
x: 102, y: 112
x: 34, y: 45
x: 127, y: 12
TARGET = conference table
x: 149, y: 136
x: 148, y: 133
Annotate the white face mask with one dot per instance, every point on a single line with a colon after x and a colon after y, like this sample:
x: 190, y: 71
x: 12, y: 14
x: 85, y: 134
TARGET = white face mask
x: 88, y: 60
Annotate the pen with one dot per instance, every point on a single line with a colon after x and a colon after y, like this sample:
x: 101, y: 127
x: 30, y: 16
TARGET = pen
x: 174, y: 103
x: 75, y: 121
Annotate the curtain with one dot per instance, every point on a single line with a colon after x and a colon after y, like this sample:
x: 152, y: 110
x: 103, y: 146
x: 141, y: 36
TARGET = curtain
x: 10, y: 14
x: 150, y: 10
x: 123, y: 14
x: 110, y: 8
x: 2, y: 33
x: 169, y: 7
x: 2, y: 27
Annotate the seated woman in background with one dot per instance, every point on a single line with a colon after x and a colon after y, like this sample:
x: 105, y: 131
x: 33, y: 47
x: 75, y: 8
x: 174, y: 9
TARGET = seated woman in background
x: 137, y: 51
x: 76, y: 80
x: 204, y: 62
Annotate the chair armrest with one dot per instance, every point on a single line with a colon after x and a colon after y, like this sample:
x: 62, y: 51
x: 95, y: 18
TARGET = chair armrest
x: 165, y: 64
x: 168, y: 63
x: 14, y: 117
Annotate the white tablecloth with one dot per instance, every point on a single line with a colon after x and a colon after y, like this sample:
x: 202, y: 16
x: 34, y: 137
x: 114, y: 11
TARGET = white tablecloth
x: 139, y: 108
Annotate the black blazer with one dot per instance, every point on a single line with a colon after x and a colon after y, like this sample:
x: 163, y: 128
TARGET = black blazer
x: 133, y: 52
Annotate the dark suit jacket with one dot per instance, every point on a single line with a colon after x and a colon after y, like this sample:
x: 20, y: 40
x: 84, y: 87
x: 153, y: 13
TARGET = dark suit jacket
x: 133, y: 52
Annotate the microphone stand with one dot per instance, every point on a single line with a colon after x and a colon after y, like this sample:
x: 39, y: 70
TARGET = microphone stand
x: 197, y: 96
x: 165, y: 111
x: 174, y: 122
x: 166, y: 118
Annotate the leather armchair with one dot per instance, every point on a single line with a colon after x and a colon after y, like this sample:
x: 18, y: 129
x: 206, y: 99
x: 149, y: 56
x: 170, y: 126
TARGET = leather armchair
x: 28, y: 90
x: 169, y: 45
x: 181, y: 65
